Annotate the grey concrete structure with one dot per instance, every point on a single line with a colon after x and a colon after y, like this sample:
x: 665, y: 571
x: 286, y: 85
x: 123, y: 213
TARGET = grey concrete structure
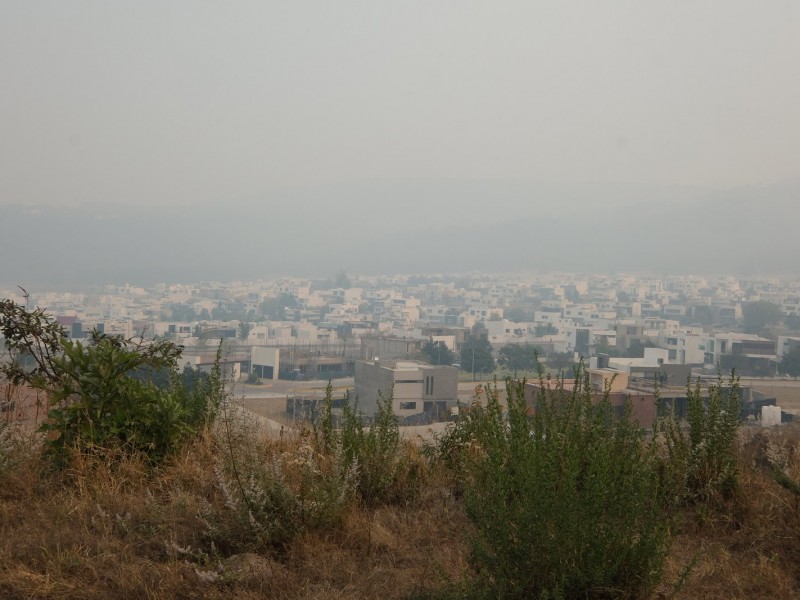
x: 419, y: 391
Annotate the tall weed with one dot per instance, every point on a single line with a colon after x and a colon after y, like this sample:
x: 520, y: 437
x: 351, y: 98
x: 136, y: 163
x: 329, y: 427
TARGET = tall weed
x: 564, y: 499
x: 701, y: 465
x: 386, y: 469
x: 272, y: 490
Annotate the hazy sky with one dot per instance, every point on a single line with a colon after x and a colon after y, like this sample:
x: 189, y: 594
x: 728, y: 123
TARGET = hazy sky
x: 189, y: 102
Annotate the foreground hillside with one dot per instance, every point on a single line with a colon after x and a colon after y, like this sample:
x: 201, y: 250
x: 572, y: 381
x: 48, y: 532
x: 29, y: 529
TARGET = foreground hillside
x: 216, y: 520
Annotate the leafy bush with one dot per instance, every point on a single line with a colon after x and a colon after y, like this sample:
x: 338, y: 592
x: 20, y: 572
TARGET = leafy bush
x: 565, y: 502
x: 272, y: 491
x: 701, y: 464
x: 8, y: 447
x: 96, y: 398
x: 385, y: 467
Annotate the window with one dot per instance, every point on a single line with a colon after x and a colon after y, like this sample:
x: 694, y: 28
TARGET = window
x: 408, y: 406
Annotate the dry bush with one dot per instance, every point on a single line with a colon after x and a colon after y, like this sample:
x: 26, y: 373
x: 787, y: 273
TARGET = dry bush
x: 750, y: 548
x: 115, y: 526
x: 103, y: 528
x: 119, y: 528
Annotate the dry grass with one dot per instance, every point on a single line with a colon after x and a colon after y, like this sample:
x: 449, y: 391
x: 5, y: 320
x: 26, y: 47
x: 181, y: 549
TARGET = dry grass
x: 114, y: 528
x: 750, y: 548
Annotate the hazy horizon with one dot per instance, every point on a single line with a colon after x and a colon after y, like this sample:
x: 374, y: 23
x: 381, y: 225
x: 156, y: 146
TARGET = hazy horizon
x: 193, y: 137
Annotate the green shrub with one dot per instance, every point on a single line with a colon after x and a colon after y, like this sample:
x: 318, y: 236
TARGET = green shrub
x: 272, y: 490
x: 701, y: 463
x: 564, y: 502
x: 98, y: 399
x: 97, y: 404
x: 385, y: 469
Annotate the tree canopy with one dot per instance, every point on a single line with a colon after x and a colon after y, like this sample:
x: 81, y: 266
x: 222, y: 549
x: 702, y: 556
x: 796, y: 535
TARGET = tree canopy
x: 790, y: 363
x: 518, y: 357
x: 437, y: 353
x: 476, y: 356
x: 758, y: 316
x: 99, y: 391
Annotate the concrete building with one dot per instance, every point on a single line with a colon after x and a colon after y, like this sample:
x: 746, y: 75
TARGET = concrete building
x: 390, y: 347
x: 420, y: 392
x: 787, y: 344
x: 721, y: 344
x: 265, y: 362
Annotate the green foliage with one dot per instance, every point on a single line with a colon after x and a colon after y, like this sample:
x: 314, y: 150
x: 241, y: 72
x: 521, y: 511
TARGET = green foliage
x: 747, y: 366
x: 518, y: 356
x: 96, y: 403
x: 384, y: 471
x: 272, y: 492
x: 792, y: 322
x: 636, y: 349
x: 701, y: 466
x: 342, y: 280
x: 565, y: 503
x: 97, y: 394
x: 561, y: 362
x: 201, y: 394
x: 437, y: 353
x: 244, y: 330
x: 519, y: 314
x: 275, y: 308
x: 10, y: 454
x: 786, y: 482
x: 476, y: 356
x: 790, y: 363
x: 758, y: 316
x: 31, y: 337
x: 183, y: 312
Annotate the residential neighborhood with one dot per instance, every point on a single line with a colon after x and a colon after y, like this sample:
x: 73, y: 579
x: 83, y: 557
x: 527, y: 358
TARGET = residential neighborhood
x: 643, y: 328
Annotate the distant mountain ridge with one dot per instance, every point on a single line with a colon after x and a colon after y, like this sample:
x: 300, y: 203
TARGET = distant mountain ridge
x: 440, y: 227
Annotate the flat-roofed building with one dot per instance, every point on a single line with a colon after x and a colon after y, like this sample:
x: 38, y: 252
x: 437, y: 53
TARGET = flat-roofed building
x: 420, y: 392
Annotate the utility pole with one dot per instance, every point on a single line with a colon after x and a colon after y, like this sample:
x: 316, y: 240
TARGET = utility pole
x: 473, y: 362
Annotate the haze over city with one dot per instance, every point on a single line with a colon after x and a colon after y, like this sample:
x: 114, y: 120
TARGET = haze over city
x: 413, y: 299
x: 187, y: 140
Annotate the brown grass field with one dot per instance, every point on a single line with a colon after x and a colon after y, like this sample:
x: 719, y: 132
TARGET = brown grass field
x: 119, y: 529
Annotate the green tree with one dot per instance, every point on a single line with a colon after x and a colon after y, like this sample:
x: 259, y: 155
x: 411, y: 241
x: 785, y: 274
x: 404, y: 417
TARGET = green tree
x: 790, y: 363
x: 437, y: 353
x: 702, y: 314
x: 561, y: 362
x: 760, y: 315
x: 565, y: 502
x: 518, y: 356
x: 702, y: 466
x: 793, y: 322
x: 98, y: 397
x: 342, y: 280
x: 603, y: 347
x: 183, y: 312
x: 275, y: 308
x: 636, y: 349
x: 476, y: 356
x: 518, y: 314
x: 244, y: 330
